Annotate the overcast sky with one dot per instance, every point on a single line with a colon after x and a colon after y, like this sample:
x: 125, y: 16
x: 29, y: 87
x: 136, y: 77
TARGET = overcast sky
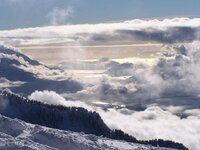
x: 32, y: 13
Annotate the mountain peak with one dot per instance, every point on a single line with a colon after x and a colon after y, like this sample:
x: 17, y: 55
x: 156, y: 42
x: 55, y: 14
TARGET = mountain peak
x: 11, y: 51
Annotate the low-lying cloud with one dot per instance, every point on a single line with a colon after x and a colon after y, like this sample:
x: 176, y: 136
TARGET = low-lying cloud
x: 173, y: 80
x: 52, y: 98
x: 164, y: 31
x: 155, y: 123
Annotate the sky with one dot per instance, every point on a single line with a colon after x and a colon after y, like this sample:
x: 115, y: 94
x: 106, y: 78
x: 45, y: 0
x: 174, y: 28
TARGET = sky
x: 34, y: 13
x: 161, y: 83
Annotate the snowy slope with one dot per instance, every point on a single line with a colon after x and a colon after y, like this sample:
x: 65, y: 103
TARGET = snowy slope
x: 16, y: 134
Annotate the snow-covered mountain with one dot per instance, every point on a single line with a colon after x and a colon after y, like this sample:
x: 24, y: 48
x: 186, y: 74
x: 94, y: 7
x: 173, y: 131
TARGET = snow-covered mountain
x: 15, y: 67
x: 15, y: 52
x: 16, y: 134
x: 67, y: 118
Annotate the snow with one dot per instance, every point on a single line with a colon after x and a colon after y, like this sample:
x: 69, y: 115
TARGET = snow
x: 16, y: 134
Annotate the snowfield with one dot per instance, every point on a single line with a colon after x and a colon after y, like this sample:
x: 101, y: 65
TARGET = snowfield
x: 16, y: 134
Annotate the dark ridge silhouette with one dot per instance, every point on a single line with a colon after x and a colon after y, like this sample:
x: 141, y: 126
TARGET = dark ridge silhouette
x: 61, y: 86
x: 67, y: 118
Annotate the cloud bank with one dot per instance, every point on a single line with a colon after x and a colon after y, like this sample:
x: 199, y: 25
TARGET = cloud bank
x: 164, y: 31
x: 173, y: 80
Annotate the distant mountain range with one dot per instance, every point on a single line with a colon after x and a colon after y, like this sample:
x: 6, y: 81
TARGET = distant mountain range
x: 15, y: 66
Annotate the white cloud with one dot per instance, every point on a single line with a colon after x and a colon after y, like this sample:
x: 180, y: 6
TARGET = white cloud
x: 166, y: 31
x: 60, y: 15
x: 52, y: 98
x: 166, y: 82
x: 156, y: 123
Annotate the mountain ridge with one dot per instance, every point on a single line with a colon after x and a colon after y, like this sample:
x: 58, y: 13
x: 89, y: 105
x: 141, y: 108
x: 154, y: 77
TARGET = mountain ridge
x: 68, y: 118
